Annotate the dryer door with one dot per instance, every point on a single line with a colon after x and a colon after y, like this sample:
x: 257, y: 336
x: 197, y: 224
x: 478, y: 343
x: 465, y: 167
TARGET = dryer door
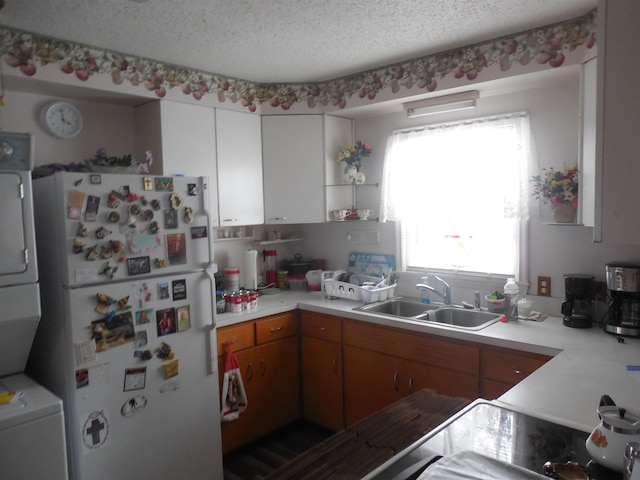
x: 17, y: 248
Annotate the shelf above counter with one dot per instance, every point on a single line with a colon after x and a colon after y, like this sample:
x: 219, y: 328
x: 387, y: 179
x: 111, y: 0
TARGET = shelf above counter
x: 278, y: 241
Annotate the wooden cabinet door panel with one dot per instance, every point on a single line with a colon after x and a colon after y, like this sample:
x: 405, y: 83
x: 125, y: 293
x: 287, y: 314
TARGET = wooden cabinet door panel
x: 372, y: 381
x: 510, y: 366
x: 322, y: 394
x: 278, y: 375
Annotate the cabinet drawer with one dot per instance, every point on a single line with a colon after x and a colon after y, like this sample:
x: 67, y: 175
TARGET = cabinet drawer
x: 276, y: 327
x: 319, y: 325
x: 427, y: 349
x: 241, y: 336
x: 510, y: 366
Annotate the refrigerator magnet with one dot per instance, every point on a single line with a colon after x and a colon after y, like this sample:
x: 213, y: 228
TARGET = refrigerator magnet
x: 147, y: 184
x: 184, y: 318
x: 171, y: 368
x: 166, y: 321
x: 134, y: 378
x: 133, y: 405
x: 177, y: 248
x: 163, y: 290
x: 138, y: 265
x: 86, y: 351
x: 91, y: 213
x: 141, y: 339
x: 95, y: 430
x: 74, y: 204
x: 164, y: 184
x: 198, y: 232
x: 179, y: 289
x: 144, y: 316
x: 170, y: 219
x: 193, y: 189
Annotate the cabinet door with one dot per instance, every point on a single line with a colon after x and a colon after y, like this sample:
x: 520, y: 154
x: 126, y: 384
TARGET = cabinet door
x: 278, y: 374
x: 617, y: 139
x: 293, y: 158
x: 322, y: 395
x: 188, y: 151
x: 372, y: 381
x: 239, y: 147
x: 242, y: 431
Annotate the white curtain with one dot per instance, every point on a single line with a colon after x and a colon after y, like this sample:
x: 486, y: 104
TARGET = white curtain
x: 453, y: 185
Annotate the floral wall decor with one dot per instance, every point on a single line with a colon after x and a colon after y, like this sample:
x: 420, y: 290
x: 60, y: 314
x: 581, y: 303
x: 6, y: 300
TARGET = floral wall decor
x: 544, y: 47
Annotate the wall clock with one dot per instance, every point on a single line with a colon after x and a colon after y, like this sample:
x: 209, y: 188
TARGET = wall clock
x: 61, y: 119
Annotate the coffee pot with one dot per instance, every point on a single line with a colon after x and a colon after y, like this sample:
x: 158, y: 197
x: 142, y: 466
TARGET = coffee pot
x: 623, y: 282
x: 578, y: 306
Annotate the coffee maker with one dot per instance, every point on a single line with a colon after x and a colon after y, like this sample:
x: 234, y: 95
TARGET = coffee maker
x: 578, y: 305
x: 623, y: 282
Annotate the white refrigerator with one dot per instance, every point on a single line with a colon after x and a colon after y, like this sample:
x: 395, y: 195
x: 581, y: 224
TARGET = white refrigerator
x: 127, y: 336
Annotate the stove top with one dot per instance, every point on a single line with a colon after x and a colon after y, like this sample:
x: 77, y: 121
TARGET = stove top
x: 501, y: 434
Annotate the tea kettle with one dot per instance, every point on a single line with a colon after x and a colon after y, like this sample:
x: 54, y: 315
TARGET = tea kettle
x: 618, y: 426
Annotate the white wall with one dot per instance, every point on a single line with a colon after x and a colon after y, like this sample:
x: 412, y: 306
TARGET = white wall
x: 105, y: 125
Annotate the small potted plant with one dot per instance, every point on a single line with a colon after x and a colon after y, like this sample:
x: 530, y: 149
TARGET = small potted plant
x: 560, y: 189
x: 104, y: 163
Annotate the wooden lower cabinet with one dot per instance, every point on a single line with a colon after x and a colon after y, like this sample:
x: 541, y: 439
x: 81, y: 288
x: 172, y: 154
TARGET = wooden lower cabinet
x: 268, y: 355
x: 322, y: 379
x: 504, y: 368
x: 384, y: 364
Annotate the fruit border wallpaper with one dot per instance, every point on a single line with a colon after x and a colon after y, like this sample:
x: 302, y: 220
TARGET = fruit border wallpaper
x: 534, y: 50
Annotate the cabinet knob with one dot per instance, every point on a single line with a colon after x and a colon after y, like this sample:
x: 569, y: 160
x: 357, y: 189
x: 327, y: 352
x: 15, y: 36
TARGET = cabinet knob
x: 335, y: 365
x: 411, y: 385
x: 263, y: 368
x: 516, y: 371
x: 396, y: 387
x: 280, y: 219
x: 276, y: 329
x: 322, y: 329
x: 230, y: 220
x: 250, y: 371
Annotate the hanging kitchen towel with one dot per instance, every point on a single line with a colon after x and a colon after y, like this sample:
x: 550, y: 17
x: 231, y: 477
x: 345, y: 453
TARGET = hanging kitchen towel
x: 234, y: 397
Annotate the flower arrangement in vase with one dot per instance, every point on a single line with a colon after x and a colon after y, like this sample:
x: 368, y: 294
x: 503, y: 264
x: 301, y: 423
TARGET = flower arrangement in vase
x: 103, y: 163
x: 352, y: 156
x: 560, y: 189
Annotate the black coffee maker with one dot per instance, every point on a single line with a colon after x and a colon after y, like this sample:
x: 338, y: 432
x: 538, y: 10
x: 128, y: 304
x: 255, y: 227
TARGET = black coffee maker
x: 578, y: 305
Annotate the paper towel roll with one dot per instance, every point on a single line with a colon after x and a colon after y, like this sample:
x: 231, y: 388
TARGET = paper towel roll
x: 250, y: 270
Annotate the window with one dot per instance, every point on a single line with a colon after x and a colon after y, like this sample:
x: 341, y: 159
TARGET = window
x: 459, y: 191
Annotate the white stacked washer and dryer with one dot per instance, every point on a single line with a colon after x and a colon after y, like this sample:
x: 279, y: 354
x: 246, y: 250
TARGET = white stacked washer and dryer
x: 32, y: 441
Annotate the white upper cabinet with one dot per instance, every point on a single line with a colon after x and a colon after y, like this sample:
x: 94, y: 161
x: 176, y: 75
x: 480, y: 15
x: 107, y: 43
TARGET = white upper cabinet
x: 618, y: 113
x: 239, y: 153
x: 293, y: 155
x: 296, y: 149
x: 180, y: 136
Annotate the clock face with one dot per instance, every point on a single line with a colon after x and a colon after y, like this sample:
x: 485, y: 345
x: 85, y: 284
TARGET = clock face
x: 62, y: 119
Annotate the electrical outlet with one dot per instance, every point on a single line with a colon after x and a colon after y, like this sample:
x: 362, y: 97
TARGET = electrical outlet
x: 544, y: 286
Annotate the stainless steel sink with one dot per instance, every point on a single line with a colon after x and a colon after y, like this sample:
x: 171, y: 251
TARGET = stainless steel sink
x: 397, y: 307
x: 410, y: 309
x: 456, y: 317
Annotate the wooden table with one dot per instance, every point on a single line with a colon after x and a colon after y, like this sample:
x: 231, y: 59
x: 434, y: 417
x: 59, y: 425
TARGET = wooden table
x: 357, y: 450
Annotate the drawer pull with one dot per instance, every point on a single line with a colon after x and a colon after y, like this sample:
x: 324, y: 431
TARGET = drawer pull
x: 335, y: 365
x: 516, y: 371
x: 322, y: 329
x: 395, y: 382
x: 276, y: 329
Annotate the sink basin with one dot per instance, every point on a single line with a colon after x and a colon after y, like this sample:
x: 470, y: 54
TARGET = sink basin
x: 455, y: 317
x: 397, y: 307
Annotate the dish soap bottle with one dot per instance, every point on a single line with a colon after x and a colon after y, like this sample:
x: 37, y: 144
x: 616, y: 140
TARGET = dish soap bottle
x: 424, y: 293
x: 511, y: 292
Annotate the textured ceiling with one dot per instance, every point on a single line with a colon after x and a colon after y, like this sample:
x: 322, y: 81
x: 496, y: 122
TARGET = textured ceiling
x: 284, y: 40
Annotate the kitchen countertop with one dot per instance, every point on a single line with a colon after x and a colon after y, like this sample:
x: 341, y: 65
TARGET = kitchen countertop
x: 587, y: 363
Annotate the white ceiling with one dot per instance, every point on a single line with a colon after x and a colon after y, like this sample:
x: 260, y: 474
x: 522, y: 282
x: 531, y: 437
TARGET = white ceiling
x: 284, y: 40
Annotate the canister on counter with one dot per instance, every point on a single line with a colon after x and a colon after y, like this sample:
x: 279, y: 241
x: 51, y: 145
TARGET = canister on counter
x: 253, y: 299
x: 234, y: 302
x: 246, y: 297
x: 231, y: 279
x: 282, y: 278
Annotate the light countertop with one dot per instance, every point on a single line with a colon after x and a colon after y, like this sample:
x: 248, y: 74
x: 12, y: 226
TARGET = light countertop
x: 587, y: 363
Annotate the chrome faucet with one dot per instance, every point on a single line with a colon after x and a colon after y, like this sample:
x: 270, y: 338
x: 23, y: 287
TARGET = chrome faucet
x: 446, y: 290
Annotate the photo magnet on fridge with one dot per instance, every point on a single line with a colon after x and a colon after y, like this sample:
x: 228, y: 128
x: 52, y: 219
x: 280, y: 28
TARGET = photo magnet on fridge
x: 166, y: 321
x: 134, y: 378
x: 163, y: 290
x: 179, y: 289
x: 176, y: 248
x: 138, y: 265
x: 198, y: 232
x: 170, y: 219
x: 184, y: 318
x: 91, y: 213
